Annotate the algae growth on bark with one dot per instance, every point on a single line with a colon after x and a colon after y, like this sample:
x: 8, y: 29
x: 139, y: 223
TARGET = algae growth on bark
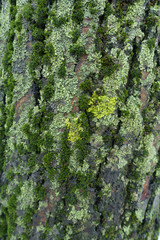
x: 79, y: 119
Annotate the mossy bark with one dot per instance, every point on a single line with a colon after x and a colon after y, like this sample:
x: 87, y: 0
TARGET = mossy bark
x: 79, y: 119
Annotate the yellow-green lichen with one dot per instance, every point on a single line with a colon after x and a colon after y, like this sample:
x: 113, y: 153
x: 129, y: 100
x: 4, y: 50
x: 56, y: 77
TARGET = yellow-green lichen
x: 101, y: 106
x: 74, y: 128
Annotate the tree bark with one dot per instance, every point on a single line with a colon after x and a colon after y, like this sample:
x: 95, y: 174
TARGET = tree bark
x: 79, y: 119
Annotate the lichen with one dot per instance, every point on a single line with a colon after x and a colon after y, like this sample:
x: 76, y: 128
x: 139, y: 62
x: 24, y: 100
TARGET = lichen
x: 27, y: 195
x: 74, y: 128
x: 101, y: 105
x: 146, y: 57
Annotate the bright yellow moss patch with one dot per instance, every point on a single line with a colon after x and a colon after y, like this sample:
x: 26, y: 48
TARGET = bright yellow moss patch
x: 101, y: 106
x: 74, y: 129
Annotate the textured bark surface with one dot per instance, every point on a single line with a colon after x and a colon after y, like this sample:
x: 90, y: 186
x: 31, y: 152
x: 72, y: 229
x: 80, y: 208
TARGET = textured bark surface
x: 79, y: 119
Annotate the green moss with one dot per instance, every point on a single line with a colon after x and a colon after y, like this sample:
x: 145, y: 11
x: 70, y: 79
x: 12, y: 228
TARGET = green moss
x: 37, y: 33
x: 64, y: 156
x: 38, y: 48
x: 48, y: 162
x: 9, y: 175
x: 150, y: 22
x: 28, y: 11
x: 81, y: 139
x: 20, y: 39
x: 92, y: 7
x: 78, y: 12
x: 24, y: 236
x: 2, y: 135
x: 75, y: 35
x: 47, y: 117
x: 26, y: 128
x: 58, y: 21
x: 86, y: 86
x: 151, y: 43
x: 18, y: 22
x: 135, y: 73
x: 48, y: 159
x: 108, y: 65
x: 49, y: 49
x: 83, y: 102
x: 49, y: 52
x: 148, y: 121
x: 47, y: 140
x: 77, y: 50
x: 20, y: 149
x: 39, y: 192
x: 12, y: 215
x: 33, y: 137
x: 28, y: 216
x: 48, y: 91
x: 13, y: 11
x: 41, y: 13
x: 123, y: 94
x: 62, y: 70
x: 10, y: 116
x: 3, y: 225
x: 7, y: 57
x: 36, y: 56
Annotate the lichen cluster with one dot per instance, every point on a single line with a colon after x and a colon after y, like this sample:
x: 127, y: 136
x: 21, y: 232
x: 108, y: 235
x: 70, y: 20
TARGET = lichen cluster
x: 101, y: 106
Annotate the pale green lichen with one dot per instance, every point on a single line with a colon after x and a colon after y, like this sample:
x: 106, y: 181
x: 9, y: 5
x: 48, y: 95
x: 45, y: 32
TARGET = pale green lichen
x: 20, y: 3
x: 75, y: 166
x: 16, y: 128
x: 139, y: 214
x: 120, y: 155
x: 42, y: 204
x: 127, y: 229
x: 69, y: 233
x: 134, y: 122
x: 40, y: 228
x: 149, y: 79
x: 151, y: 158
x: 4, y: 28
x: 27, y: 196
x: 135, y: 14
x: 55, y: 185
x: 20, y: 51
x: 11, y: 186
x: 23, y: 84
x: 112, y: 25
x: 119, y: 78
x: 146, y: 57
x: 82, y: 213
x: 106, y: 189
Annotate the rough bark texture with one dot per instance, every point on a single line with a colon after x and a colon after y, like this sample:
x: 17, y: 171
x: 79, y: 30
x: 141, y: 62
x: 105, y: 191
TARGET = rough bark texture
x: 79, y: 119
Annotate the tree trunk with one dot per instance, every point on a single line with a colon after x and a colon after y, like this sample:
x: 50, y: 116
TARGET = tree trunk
x: 79, y: 119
